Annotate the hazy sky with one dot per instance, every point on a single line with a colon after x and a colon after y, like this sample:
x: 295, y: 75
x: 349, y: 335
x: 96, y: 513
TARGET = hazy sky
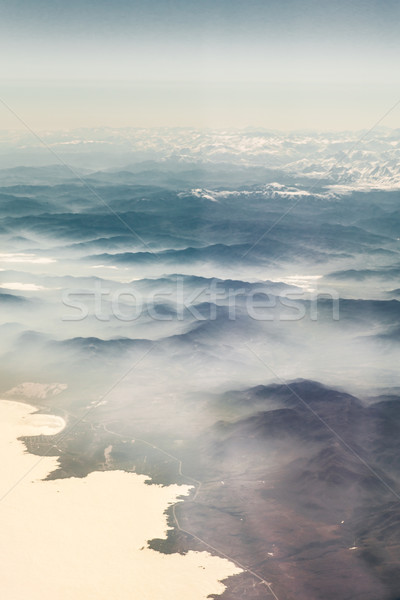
x: 284, y: 64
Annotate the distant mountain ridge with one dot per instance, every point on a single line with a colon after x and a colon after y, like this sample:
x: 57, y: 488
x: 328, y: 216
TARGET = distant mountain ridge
x: 346, y: 160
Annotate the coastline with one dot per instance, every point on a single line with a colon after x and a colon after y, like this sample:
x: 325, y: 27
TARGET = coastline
x: 95, y: 527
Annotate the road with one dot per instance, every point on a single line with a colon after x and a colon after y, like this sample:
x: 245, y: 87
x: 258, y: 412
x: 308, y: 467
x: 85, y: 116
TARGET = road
x: 197, y: 485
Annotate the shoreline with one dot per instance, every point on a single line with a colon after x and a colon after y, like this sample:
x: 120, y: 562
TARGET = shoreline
x: 97, y: 527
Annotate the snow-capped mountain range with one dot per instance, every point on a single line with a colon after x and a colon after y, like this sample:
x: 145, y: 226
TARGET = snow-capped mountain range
x: 347, y: 160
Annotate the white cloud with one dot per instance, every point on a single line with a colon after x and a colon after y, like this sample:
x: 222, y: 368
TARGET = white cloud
x: 23, y: 287
x: 21, y: 257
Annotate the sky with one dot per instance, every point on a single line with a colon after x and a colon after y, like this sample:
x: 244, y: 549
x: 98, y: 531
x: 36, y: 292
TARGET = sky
x: 287, y: 64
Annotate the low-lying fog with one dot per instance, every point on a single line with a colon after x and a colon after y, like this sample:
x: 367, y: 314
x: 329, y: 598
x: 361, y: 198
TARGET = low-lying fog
x: 177, y: 307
